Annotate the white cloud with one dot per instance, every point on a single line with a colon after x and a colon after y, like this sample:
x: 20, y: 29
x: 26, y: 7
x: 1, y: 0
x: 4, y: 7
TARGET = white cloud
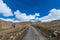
x: 53, y: 15
x: 8, y: 19
x: 4, y: 9
x: 6, y: 12
x: 24, y: 17
x: 37, y: 14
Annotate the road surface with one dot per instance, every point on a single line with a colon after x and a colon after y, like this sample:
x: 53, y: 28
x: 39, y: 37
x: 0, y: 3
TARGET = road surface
x: 33, y: 34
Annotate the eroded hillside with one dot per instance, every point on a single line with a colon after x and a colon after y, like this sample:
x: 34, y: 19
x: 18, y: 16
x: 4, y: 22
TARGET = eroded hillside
x: 13, y: 31
x: 49, y: 29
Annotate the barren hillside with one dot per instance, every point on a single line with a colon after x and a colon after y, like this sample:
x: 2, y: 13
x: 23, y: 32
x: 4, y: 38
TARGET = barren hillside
x: 12, y: 31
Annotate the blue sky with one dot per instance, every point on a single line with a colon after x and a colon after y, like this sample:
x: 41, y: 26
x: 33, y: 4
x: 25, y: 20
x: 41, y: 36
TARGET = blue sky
x: 32, y: 10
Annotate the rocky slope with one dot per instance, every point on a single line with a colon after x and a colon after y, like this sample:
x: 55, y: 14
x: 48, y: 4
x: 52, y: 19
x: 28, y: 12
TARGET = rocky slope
x: 10, y: 30
x: 49, y: 29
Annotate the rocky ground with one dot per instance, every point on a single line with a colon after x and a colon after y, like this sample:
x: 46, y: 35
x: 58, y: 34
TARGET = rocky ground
x: 12, y: 31
x: 12, y: 34
x: 50, y: 29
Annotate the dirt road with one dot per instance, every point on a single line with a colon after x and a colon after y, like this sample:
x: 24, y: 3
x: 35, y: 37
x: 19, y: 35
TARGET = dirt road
x: 33, y: 34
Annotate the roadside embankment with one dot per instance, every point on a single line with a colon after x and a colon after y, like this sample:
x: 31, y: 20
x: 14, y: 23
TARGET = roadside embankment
x: 13, y: 33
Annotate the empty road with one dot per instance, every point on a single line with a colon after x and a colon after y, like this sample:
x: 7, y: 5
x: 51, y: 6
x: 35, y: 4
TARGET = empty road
x: 33, y: 34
